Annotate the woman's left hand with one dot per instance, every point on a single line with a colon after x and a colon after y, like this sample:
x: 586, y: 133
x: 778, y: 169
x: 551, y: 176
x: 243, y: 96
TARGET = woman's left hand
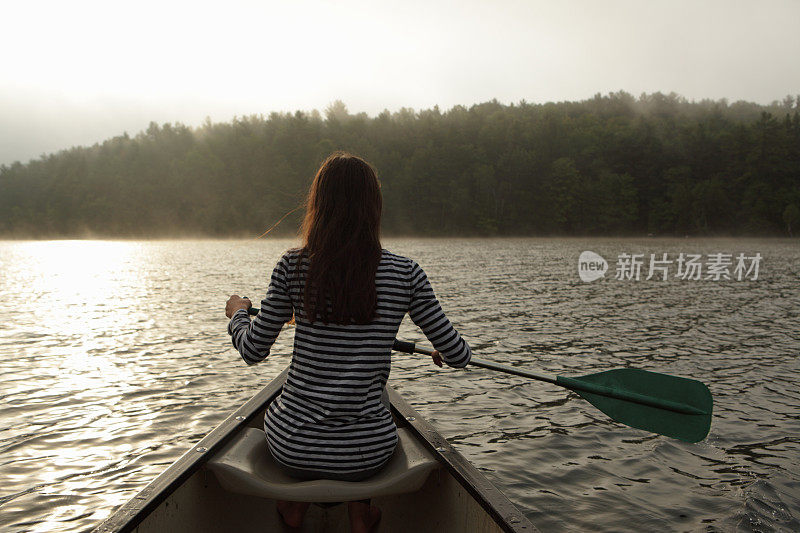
x: 235, y: 303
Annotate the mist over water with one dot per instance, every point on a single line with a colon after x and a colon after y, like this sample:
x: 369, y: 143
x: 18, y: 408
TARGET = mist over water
x: 114, y: 359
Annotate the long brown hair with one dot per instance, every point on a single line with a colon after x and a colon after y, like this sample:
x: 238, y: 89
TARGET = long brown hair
x: 341, y: 239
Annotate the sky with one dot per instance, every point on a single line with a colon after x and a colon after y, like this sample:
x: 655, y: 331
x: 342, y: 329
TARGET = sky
x: 75, y: 73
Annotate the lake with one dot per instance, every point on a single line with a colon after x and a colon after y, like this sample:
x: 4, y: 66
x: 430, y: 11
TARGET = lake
x: 114, y: 359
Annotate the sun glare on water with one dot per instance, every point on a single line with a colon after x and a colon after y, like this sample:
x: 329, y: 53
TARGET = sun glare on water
x: 77, y: 282
x: 70, y: 308
x: 79, y: 295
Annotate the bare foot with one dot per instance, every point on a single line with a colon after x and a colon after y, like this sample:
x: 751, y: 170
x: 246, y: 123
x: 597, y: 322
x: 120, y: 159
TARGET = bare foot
x: 292, y: 512
x: 363, y: 517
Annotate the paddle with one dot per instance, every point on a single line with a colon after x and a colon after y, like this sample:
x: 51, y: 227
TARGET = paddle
x: 668, y: 405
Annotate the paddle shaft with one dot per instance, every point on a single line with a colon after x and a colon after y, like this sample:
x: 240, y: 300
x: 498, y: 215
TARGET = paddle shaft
x: 410, y: 347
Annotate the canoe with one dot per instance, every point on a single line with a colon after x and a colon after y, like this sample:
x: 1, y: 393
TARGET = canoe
x: 227, y: 482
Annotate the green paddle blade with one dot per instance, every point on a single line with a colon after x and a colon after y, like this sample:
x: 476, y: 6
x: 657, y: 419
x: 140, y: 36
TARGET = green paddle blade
x: 669, y: 405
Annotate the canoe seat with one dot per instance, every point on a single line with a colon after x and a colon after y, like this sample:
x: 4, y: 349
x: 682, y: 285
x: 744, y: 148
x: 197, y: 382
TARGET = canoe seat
x: 245, y: 466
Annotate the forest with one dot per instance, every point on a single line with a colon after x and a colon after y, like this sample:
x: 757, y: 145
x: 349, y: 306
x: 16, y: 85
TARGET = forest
x: 611, y: 165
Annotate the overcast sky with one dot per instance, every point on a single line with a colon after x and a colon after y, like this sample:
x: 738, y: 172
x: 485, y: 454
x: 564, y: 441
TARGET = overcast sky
x: 78, y: 72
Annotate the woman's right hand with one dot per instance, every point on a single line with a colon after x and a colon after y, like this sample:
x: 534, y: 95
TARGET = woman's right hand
x: 437, y: 358
x: 235, y: 303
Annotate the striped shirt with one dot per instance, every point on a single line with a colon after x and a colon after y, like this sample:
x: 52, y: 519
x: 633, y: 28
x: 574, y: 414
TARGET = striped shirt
x: 329, y: 416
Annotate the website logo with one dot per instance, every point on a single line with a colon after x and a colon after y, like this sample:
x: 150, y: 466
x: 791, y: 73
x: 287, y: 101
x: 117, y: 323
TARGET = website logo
x: 686, y: 266
x: 591, y: 266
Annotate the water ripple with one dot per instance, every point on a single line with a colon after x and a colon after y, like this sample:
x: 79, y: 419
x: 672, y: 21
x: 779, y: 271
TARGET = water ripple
x: 128, y: 364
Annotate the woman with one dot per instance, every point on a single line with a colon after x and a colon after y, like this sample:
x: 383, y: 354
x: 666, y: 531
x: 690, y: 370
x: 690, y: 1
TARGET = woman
x: 348, y: 297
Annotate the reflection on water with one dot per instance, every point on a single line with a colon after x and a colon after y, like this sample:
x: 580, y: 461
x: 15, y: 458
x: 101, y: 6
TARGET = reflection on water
x: 114, y: 359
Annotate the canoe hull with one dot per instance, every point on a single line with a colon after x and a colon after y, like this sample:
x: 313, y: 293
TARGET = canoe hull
x: 202, y: 504
x: 188, y: 497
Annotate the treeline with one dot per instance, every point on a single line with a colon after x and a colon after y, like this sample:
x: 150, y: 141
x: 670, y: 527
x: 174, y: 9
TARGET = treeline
x: 611, y: 165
